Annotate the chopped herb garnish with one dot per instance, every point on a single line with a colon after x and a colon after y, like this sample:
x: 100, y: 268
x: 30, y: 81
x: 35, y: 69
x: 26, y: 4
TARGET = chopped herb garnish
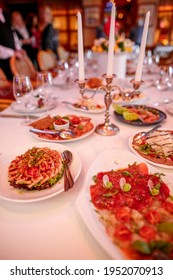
x: 95, y: 179
x: 110, y: 194
x: 126, y: 173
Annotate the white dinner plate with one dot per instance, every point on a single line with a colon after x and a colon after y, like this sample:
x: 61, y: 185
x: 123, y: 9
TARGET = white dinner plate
x: 35, y: 135
x: 136, y: 100
x: 10, y: 193
x: 125, y: 86
x: 107, y: 160
x: 20, y: 108
x: 90, y: 111
x: 145, y: 159
x: 87, y: 88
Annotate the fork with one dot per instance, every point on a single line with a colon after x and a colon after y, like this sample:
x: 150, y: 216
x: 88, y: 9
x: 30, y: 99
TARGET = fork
x: 68, y: 179
x: 147, y: 133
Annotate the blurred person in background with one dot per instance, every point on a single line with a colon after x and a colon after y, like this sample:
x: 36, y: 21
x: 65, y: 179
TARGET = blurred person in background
x: 102, y: 31
x: 9, y: 43
x: 136, y: 31
x: 26, y: 40
x: 32, y: 27
x: 49, y: 36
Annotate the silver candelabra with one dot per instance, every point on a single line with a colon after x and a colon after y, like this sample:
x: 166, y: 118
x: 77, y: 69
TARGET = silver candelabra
x: 107, y: 128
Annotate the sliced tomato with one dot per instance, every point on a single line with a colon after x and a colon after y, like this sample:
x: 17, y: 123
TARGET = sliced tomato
x: 123, y: 214
x: 75, y: 120
x: 153, y: 217
x: 168, y: 206
x: 33, y: 172
x: 164, y: 191
x: 143, y: 168
x: 147, y: 232
x: 123, y: 233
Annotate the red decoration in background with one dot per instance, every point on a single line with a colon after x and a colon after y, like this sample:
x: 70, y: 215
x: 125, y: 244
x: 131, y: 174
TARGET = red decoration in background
x: 107, y: 27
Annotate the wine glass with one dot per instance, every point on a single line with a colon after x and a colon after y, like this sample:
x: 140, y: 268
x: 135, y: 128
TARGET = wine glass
x: 22, y: 91
x: 44, y: 87
x: 163, y: 84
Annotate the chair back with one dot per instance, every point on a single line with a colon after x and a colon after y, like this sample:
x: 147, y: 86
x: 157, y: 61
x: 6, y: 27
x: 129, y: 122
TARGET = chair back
x: 46, y: 60
x: 2, y: 75
x: 62, y: 53
x: 23, y: 67
x: 4, y: 103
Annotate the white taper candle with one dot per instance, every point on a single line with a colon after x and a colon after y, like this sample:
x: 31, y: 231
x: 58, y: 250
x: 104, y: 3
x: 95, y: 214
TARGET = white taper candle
x: 138, y: 74
x: 80, y: 48
x: 111, y: 42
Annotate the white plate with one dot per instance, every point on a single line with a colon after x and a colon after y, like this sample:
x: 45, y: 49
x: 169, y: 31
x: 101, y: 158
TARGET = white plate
x: 138, y: 101
x: 126, y: 85
x: 65, y: 140
x: 169, y: 108
x: 87, y: 88
x: 10, y: 193
x: 93, y: 111
x: 145, y: 159
x: 146, y: 84
x: 107, y: 160
x: 20, y: 108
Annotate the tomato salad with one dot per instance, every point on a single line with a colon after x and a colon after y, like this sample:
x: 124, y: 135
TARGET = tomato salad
x: 36, y: 169
x: 127, y: 201
x: 156, y: 147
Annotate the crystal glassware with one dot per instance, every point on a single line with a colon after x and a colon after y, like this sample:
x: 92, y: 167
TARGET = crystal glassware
x: 44, y: 87
x: 22, y: 91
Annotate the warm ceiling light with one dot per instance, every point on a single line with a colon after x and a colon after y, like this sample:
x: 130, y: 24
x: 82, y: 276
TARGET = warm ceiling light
x: 128, y: 0
x: 120, y: 15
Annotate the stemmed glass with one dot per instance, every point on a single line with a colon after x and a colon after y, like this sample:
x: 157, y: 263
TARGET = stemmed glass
x: 44, y: 86
x: 164, y: 83
x: 22, y: 91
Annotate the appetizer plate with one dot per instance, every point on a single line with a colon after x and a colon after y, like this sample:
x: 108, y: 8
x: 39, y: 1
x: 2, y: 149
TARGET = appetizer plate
x: 161, y: 114
x: 93, y: 110
x: 10, y: 193
x: 20, y: 108
x: 126, y: 83
x: 36, y: 135
x: 142, y: 99
x: 144, y: 158
x: 107, y: 160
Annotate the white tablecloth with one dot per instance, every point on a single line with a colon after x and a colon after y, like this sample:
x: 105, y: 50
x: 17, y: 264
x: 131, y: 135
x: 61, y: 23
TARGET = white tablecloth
x: 53, y: 228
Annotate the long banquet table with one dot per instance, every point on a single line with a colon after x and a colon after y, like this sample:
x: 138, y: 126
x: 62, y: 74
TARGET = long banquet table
x: 53, y: 228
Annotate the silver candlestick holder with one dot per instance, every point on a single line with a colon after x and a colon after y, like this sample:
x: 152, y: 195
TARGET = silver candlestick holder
x: 82, y: 88
x: 107, y: 128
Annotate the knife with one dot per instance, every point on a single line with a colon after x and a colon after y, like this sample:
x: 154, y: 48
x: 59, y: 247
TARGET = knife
x: 18, y: 116
x: 36, y: 130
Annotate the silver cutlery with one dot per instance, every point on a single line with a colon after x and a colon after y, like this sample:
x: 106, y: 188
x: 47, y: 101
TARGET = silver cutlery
x: 76, y: 105
x: 68, y: 179
x: 17, y: 116
x: 64, y: 134
x: 147, y: 133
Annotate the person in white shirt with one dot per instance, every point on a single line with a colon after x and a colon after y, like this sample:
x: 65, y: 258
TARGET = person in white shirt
x: 26, y: 41
x: 9, y: 43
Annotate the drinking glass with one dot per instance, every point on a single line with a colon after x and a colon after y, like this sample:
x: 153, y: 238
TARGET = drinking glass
x: 44, y: 87
x: 164, y: 84
x: 22, y: 91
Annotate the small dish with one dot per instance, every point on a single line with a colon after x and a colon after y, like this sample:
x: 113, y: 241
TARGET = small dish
x: 61, y: 123
x: 142, y: 111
